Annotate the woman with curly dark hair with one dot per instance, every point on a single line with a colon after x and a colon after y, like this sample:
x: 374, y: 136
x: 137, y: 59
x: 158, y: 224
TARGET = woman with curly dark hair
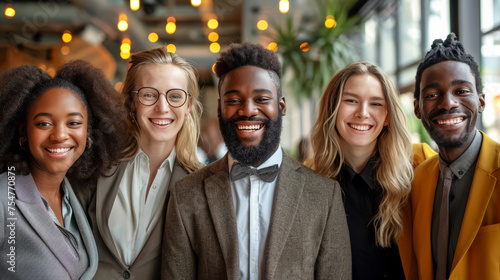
x: 52, y: 129
x: 127, y: 212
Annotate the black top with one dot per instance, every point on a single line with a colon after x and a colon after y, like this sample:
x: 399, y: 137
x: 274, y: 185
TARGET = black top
x: 361, y: 200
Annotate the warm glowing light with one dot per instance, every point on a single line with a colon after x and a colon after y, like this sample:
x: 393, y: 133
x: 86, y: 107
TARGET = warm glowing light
x: 153, y: 37
x: 51, y: 71
x: 66, y: 37
x: 212, y: 24
x: 122, y: 24
x: 330, y: 22
x: 135, y: 5
x: 171, y: 48
x: 284, y: 6
x: 305, y: 47
x: 213, y: 68
x: 215, y: 47
x: 195, y: 3
x: 170, y: 27
x: 496, y: 103
x: 262, y: 24
x: 9, y: 11
x: 125, y: 48
x: 65, y: 50
x: 125, y: 55
x: 171, y: 19
x: 213, y: 36
x: 118, y: 86
x: 43, y: 67
x: 272, y: 46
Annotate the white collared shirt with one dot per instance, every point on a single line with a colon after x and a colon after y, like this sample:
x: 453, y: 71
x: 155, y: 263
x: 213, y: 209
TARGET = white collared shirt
x: 133, y: 216
x: 253, y: 203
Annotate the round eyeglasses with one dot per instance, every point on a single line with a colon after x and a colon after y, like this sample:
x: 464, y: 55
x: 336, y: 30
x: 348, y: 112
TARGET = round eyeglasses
x: 148, y: 96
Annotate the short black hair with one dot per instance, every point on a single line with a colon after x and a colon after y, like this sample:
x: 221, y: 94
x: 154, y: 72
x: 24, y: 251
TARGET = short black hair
x: 249, y: 54
x: 450, y: 49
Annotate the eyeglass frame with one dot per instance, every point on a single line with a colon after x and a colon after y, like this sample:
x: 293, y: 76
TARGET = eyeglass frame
x: 164, y: 93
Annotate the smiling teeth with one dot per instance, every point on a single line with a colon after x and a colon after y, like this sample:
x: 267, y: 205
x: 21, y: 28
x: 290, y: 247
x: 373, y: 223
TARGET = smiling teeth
x: 58, y: 150
x: 450, y: 121
x: 248, y: 127
x: 162, y: 122
x: 360, y: 127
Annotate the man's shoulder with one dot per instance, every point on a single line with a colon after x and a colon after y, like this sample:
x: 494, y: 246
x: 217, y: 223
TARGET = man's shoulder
x: 197, y: 178
x: 311, y: 177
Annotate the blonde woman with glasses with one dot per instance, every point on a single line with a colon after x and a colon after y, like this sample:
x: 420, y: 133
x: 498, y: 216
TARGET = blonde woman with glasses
x: 127, y: 211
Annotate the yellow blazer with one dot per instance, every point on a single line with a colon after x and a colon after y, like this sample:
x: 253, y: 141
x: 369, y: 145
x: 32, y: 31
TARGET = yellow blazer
x: 477, y: 255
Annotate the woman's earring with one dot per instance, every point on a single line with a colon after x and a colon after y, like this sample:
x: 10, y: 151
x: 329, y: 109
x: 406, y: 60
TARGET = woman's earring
x: 89, y: 142
x: 22, y: 139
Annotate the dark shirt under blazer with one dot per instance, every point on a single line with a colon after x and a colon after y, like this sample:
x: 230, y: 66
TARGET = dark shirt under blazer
x: 307, y: 239
x: 361, y: 201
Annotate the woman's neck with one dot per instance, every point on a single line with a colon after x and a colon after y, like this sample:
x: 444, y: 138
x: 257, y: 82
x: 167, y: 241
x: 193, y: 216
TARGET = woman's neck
x: 48, y: 184
x: 157, y: 152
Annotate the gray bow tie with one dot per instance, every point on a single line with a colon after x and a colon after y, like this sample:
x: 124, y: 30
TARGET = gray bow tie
x: 267, y: 174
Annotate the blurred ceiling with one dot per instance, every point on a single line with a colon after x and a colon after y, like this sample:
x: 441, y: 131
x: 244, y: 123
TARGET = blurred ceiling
x: 33, y: 35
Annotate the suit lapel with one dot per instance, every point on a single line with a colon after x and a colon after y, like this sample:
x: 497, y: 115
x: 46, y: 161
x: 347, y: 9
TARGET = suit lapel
x: 85, y: 232
x: 30, y: 204
x: 423, y: 204
x: 480, y: 194
x: 107, y: 188
x: 177, y: 173
x: 286, y: 200
x: 220, y: 203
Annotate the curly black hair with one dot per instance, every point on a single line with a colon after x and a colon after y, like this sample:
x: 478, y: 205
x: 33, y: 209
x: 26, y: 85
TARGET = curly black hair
x: 238, y: 55
x: 450, y: 49
x: 22, y: 85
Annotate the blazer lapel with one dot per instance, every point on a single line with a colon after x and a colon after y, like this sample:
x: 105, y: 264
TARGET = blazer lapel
x: 31, y: 206
x: 107, y: 188
x: 156, y: 235
x: 423, y: 204
x: 286, y: 200
x: 220, y: 203
x: 480, y: 194
x: 85, y: 233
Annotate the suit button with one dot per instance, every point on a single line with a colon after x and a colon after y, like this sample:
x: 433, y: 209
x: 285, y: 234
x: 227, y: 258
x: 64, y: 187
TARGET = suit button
x: 126, y: 275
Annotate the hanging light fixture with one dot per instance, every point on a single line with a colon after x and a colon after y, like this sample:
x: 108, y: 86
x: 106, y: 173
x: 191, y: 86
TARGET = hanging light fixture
x: 135, y: 5
x: 9, y: 11
x: 170, y: 27
x: 284, y: 6
x: 122, y: 23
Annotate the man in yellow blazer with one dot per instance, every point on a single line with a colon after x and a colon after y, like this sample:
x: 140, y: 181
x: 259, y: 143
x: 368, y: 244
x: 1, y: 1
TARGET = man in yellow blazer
x: 448, y: 100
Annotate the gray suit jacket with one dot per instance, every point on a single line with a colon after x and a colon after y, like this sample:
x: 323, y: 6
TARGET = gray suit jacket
x: 308, y: 236
x: 28, y: 229
x: 147, y: 264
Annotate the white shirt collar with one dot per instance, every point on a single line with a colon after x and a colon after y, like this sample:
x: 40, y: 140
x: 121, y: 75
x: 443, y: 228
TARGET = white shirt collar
x: 141, y: 155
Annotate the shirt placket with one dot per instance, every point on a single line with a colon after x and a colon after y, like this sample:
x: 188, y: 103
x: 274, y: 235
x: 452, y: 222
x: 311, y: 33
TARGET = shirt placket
x: 254, y: 227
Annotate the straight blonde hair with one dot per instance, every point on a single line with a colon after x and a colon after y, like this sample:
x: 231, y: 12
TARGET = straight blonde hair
x: 187, y: 138
x: 393, y: 166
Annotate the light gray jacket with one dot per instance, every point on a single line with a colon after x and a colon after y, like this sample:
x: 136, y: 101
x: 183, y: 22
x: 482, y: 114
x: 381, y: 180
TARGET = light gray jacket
x: 39, y: 251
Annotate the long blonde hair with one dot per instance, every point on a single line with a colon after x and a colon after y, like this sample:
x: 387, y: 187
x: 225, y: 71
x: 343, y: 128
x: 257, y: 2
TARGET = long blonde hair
x: 394, y: 167
x: 187, y: 138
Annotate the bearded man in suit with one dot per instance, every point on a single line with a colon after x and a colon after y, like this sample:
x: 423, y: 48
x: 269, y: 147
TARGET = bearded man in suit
x: 256, y: 213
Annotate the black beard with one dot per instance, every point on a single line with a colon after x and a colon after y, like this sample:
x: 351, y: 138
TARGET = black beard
x: 256, y: 155
x: 447, y: 142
